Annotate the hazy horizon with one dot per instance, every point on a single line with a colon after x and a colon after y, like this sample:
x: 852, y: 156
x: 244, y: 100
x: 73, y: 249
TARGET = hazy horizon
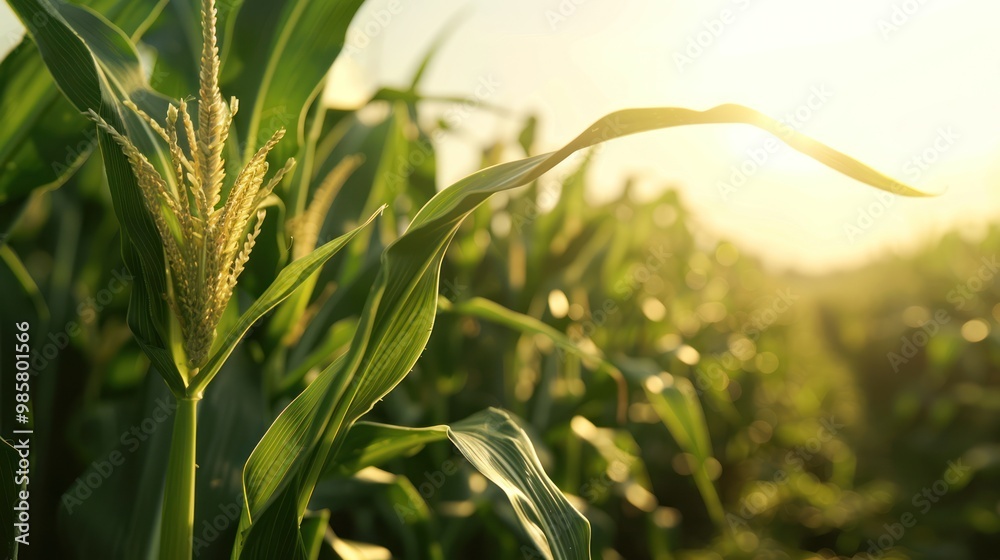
x: 844, y: 74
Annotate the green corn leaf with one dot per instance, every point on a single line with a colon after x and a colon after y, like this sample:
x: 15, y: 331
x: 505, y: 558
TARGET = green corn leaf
x: 23, y: 279
x: 499, y: 449
x: 347, y: 138
x: 313, y: 533
x: 387, y: 182
x: 420, y: 531
x: 677, y: 405
x: 95, y: 64
x: 277, y: 58
x: 289, y: 279
x: 676, y: 402
x: 404, y: 511
x: 96, y: 520
x: 44, y: 139
x: 399, y: 314
x: 280, y: 537
x: 175, y: 36
x: 371, y: 444
x: 502, y: 452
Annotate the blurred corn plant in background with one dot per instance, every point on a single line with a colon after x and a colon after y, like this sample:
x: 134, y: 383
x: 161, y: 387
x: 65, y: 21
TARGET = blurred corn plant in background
x: 534, y: 332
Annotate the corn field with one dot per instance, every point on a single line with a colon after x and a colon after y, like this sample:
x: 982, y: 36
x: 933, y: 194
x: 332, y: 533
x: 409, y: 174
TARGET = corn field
x: 240, y: 323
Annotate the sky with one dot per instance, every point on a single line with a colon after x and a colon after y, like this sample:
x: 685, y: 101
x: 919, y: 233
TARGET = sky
x: 909, y: 87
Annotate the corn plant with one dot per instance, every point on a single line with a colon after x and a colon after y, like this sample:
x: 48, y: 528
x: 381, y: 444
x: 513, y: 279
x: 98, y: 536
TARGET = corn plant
x: 192, y: 194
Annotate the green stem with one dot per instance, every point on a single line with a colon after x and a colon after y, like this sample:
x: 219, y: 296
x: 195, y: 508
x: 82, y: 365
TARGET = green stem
x: 710, y: 496
x: 177, y: 524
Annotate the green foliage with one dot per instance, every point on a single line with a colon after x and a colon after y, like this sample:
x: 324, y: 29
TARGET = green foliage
x: 666, y: 413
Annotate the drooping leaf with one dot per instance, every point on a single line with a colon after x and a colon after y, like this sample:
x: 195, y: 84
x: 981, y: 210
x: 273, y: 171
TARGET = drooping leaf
x: 499, y: 449
x: 399, y: 314
x: 502, y: 452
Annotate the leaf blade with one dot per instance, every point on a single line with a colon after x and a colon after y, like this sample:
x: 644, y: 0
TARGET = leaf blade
x: 502, y: 452
x: 287, y: 282
x: 399, y: 314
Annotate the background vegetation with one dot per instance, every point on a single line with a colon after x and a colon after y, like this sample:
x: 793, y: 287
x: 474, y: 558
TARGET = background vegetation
x: 832, y: 421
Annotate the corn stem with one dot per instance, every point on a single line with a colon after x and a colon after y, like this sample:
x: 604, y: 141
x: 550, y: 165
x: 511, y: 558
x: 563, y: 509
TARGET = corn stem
x: 177, y: 523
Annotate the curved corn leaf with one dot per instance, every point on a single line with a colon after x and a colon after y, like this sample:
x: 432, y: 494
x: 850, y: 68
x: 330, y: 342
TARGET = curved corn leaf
x: 23, y: 279
x: 96, y: 65
x: 502, y: 452
x: 388, y: 157
x: 278, y: 54
x: 44, y: 139
x: 676, y: 403
x: 350, y: 136
x: 399, y: 315
x: 499, y: 449
x: 314, y: 532
x: 370, y: 444
x: 289, y: 279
